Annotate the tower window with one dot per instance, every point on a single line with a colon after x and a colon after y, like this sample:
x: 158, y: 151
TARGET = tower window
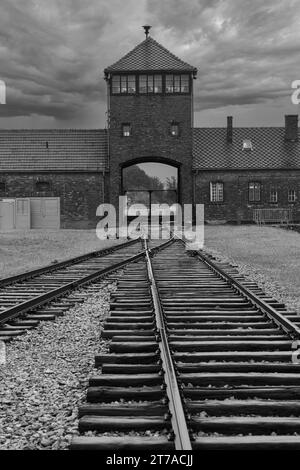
x: 42, y: 186
x: 254, y: 192
x: 177, y: 83
x: 150, y: 84
x: 292, y: 196
x: 123, y: 84
x: 273, y: 195
x: 216, y: 192
x: 174, y: 129
x: 126, y: 130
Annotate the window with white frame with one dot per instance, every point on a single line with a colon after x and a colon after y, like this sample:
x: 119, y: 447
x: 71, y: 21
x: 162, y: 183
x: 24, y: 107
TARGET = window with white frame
x: 292, y: 196
x: 216, y: 192
x: 273, y: 195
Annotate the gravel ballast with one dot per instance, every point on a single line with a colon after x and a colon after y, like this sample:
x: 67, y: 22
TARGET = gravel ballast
x: 269, y: 256
x: 46, y: 376
x: 263, y: 280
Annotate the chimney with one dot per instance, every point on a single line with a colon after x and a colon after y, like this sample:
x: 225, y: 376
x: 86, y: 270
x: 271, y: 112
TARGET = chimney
x: 291, y: 127
x: 229, y: 129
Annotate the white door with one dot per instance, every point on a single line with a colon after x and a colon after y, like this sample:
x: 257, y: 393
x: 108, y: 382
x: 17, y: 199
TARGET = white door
x: 22, y: 213
x: 7, y: 215
x: 45, y: 212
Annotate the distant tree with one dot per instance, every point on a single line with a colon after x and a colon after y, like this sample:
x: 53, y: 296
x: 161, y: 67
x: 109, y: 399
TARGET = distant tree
x: 171, y: 183
x: 135, y: 178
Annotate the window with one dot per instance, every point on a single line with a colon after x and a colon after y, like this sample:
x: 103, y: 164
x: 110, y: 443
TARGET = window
x: 174, y: 129
x: 123, y: 84
x: 292, y: 196
x: 2, y: 187
x: 254, y: 192
x: 126, y: 130
x: 42, y: 186
x: 216, y: 192
x: 177, y: 83
x: 150, y: 84
x: 273, y: 195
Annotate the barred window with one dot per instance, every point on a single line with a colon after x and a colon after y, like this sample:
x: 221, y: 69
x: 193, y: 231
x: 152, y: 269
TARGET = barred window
x: 174, y: 129
x: 254, y: 192
x: 42, y: 186
x: 150, y: 84
x: 216, y: 192
x: 273, y: 195
x: 126, y: 130
x: 177, y: 83
x: 292, y: 196
x: 123, y: 84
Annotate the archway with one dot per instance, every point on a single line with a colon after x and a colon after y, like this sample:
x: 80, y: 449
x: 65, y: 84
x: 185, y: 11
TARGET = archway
x: 150, y: 182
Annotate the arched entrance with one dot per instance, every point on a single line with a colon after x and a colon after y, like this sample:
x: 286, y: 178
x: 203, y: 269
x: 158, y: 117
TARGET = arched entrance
x: 150, y: 182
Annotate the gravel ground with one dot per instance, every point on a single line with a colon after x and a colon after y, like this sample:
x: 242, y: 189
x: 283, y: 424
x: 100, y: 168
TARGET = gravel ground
x: 268, y: 285
x: 269, y: 256
x: 45, y: 378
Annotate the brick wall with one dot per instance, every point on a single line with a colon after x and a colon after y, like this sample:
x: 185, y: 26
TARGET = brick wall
x: 150, y: 118
x: 80, y: 194
x: 236, y: 207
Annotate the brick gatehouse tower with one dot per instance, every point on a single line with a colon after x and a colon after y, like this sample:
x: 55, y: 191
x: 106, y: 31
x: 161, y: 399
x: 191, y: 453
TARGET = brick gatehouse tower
x: 150, y: 114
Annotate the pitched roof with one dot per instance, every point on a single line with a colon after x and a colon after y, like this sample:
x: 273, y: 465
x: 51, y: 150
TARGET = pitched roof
x: 211, y: 151
x: 60, y: 150
x: 147, y: 56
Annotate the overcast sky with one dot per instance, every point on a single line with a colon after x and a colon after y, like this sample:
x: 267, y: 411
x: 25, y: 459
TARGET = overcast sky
x: 52, y: 56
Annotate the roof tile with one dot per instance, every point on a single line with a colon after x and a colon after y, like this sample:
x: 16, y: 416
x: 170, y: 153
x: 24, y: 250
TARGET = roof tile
x: 57, y: 149
x: 211, y: 151
x: 149, y: 55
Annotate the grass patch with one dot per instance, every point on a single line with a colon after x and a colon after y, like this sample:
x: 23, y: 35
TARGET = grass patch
x: 271, y: 252
x: 25, y: 250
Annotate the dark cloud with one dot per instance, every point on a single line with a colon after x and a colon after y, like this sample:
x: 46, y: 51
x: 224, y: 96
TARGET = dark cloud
x: 52, y: 54
x: 237, y: 46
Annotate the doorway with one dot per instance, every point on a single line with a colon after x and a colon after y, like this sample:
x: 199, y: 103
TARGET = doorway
x: 150, y: 183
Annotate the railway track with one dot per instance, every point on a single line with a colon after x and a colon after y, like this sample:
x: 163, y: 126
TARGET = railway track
x: 199, y: 358
x: 45, y: 293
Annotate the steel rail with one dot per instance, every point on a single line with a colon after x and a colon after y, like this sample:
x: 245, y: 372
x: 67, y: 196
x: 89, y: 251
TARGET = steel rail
x: 178, y: 420
x: 13, y: 312
x: 23, y: 307
x: 62, y: 264
x: 271, y: 312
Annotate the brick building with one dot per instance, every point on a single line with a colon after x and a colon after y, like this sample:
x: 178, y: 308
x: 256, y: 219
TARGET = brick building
x: 150, y: 119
